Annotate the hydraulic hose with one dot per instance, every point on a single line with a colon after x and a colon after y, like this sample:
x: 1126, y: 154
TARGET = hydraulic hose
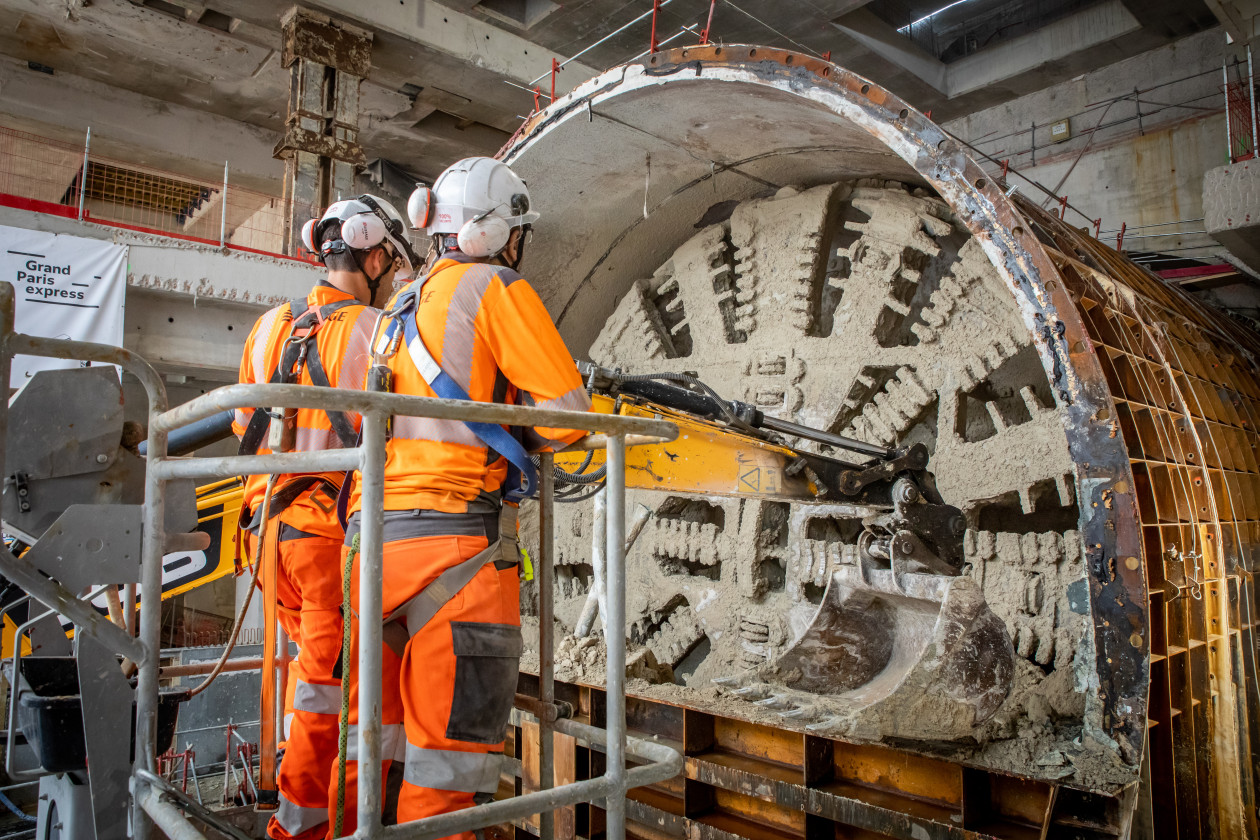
x: 579, y: 477
x: 707, y: 402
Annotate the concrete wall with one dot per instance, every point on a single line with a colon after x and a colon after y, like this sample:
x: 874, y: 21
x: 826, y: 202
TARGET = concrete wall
x: 137, y: 128
x: 1147, y: 180
x: 1137, y: 172
x: 1231, y: 201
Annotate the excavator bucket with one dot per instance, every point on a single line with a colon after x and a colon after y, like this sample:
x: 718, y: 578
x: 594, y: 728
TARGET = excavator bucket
x: 890, y: 655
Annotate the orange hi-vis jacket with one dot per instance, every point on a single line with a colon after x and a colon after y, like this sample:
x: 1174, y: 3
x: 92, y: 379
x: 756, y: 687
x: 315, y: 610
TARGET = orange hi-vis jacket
x: 344, y: 345
x: 488, y: 329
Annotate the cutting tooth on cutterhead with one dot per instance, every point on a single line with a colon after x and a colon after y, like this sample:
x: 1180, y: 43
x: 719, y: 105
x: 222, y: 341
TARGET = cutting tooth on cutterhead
x: 777, y: 701
x: 802, y: 713
x: 729, y: 682
x: 823, y: 725
x: 751, y: 692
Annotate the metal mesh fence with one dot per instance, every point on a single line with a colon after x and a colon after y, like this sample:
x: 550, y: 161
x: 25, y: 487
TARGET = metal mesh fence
x: 1240, y: 111
x: 52, y: 176
x: 39, y: 169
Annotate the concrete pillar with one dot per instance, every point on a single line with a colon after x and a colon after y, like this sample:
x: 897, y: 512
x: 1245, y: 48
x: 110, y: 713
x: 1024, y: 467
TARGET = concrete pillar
x: 327, y: 60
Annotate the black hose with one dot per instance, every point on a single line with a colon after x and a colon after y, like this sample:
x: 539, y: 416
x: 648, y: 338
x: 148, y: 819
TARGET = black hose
x: 582, y: 478
x: 579, y: 477
x: 190, y: 438
x: 714, y: 403
x: 578, y: 494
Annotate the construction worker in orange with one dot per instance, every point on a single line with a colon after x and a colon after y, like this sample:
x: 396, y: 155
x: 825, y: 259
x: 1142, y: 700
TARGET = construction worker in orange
x: 323, y: 339
x: 470, y: 328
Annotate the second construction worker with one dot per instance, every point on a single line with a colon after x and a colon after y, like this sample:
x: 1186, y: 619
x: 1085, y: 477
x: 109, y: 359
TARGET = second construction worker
x: 323, y: 339
x: 472, y: 328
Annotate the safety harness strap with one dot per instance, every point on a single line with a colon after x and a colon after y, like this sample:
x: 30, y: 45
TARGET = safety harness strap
x: 492, y: 435
x: 295, y: 352
x: 289, y: 492
x: 340, y: 423
x: 413, y: 614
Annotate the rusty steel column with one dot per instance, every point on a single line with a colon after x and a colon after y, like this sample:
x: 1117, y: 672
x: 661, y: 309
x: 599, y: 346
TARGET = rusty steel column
x: 327, y: 60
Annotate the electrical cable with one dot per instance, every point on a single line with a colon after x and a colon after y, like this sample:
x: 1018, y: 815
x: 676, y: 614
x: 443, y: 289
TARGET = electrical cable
x: 772, y: 29
x: 25, y: 817
x: 343, y: 720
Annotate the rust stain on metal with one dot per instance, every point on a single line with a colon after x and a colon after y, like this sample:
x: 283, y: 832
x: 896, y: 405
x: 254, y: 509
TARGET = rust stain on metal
x: 297, y: 139
x: 321, y: 39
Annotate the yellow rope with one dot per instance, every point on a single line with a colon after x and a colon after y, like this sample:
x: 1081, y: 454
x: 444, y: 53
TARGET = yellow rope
x: 345, y: 686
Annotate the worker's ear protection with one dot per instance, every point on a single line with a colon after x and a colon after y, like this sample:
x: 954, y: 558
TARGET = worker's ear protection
x: 420, y: 207
x: 363, y: 231
x: 487, y: 235
x: 484, y: 236
x: 360, y: 232
x: 308, y: 236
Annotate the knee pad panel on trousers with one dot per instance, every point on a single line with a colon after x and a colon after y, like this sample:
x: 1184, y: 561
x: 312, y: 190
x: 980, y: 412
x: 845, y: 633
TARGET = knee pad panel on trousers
x: 487, y: 661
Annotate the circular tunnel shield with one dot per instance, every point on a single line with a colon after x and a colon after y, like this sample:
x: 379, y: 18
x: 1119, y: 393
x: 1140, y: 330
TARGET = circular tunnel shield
x: 633, y: 163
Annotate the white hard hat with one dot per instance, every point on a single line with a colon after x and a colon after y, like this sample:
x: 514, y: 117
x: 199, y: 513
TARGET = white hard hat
x: 473, y: 189
x: 366, y: 222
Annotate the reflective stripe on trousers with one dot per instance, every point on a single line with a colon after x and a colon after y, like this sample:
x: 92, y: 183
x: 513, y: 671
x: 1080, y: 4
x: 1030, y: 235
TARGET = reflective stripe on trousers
x: 468, y: 772
x: 297, y: 819
x: 393, y: 743
x: 316, y: 698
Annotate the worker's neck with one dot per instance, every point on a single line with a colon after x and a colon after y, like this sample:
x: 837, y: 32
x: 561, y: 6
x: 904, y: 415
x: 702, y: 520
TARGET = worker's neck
x: 456, y: 254
x: 350, y: 282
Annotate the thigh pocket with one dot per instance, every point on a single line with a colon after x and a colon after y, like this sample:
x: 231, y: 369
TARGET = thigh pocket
x: 487, y: 660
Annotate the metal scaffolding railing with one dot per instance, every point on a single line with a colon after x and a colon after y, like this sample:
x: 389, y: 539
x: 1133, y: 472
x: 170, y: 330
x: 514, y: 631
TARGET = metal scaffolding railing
x: 156, y: 802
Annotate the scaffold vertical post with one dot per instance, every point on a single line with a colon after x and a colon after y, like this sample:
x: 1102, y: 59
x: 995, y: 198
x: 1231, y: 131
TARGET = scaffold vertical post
x: 656, y: 7
x: 1229, y: 129
x: 546, y: 638
x: 152, y: 551
x: 223, y: 208
x: 615, y: 636
x: 1251, y: 93
x: 372, y: 524
x: 83, y: 176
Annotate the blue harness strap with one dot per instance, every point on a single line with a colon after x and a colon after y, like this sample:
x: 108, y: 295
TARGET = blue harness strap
x: 520, y: 468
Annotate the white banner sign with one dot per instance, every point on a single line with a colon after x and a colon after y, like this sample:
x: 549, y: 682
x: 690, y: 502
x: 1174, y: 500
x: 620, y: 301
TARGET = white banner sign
x: 66, y: 287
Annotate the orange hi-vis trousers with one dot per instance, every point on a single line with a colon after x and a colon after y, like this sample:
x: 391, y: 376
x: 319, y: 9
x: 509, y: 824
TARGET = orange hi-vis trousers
x: 309, y: 595
x: 454, y: 687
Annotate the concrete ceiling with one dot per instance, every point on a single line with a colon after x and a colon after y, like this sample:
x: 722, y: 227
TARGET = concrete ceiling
x: 446, y: 77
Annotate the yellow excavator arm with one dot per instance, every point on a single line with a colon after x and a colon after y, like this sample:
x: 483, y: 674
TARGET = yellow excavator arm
x: 706, y: 458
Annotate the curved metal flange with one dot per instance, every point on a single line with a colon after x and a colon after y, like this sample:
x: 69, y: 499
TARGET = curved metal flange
x: 631, y: 158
